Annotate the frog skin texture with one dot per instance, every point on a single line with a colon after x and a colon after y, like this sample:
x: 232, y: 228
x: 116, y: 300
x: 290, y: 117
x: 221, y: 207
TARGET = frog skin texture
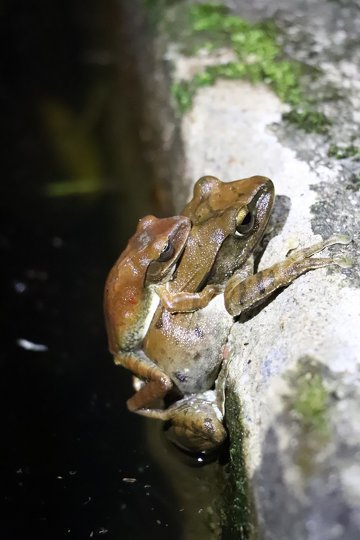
x: 148, y: 260
x: 179, y: 355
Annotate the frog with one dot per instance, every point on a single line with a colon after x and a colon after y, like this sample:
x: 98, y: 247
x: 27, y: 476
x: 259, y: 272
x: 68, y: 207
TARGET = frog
x: 184, y: 349
x: 148, y: 260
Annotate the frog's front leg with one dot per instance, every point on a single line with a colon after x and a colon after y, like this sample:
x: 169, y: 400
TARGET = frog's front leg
x: 195, y: 423
x: 157, y: 382
x: 252, y: 291
x: 185, y: 302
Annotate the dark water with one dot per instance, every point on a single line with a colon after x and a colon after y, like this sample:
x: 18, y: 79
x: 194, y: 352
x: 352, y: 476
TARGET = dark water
x: 74, y: 181
x: 70, y: 168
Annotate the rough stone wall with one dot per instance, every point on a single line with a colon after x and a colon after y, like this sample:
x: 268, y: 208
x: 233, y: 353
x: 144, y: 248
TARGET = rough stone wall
x: 295, y: 366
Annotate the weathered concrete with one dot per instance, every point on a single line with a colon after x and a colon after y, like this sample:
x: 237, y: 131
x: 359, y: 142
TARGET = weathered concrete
x: 295, y: 369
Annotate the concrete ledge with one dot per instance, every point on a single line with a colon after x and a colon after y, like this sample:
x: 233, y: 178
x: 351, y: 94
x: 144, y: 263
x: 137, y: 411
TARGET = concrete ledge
x: 293, y: 390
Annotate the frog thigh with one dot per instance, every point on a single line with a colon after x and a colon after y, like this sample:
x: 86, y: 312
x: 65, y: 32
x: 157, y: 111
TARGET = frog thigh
x: 157, y: 382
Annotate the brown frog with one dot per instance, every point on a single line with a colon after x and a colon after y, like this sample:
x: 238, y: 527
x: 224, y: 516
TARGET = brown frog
x: 149, y: 259
x: 184, y: 347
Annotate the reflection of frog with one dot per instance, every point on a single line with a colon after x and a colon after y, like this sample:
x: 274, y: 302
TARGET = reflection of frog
x: 185, y: 344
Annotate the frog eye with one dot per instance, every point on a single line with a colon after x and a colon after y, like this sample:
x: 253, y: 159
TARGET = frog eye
x: 167, y: 252
x: 244, y: 223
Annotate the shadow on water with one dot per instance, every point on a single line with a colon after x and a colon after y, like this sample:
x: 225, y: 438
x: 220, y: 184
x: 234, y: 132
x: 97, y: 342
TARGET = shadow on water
x: 72, y: 189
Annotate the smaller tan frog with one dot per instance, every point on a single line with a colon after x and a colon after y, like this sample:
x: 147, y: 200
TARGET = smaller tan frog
x: 149, y: 260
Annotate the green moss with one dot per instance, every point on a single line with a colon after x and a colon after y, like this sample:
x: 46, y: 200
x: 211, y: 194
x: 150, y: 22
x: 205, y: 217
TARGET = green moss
x: 311, y: 401
x: 258, y: 58
x: 240, y: 520
x: 344, y: 152
x: 308, y: 403
x: 309, y: 121
x: 183, y: 92
x: 354, y: 184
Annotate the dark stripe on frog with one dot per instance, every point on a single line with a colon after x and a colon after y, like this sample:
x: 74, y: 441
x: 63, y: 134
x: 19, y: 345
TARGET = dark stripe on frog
x: 265, y: 281
x: 159, y: 323
x: 260, y: 285
x: 256, y: 288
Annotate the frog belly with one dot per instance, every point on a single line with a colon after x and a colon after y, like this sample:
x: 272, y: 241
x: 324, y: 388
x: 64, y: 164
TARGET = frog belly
x: 189, y: 347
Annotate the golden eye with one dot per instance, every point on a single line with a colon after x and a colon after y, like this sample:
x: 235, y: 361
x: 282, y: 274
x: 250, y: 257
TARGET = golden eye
x: 167, y: 252
x: 245, y: 221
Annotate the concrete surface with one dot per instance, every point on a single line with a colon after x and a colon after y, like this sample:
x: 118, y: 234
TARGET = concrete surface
x: 295, y: 366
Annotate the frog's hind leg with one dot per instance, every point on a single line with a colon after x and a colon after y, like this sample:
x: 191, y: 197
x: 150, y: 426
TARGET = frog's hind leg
x: 250, y: 292
x: 195, y: 422
x: 157, y: 383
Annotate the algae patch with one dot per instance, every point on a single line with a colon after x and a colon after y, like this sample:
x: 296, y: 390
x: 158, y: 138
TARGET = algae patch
x: 240, y: 519
x: 309, y: 121
x: 308, y: 403
x: 259, y: 57
x: 344, y: 152
x: 354, y: 184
